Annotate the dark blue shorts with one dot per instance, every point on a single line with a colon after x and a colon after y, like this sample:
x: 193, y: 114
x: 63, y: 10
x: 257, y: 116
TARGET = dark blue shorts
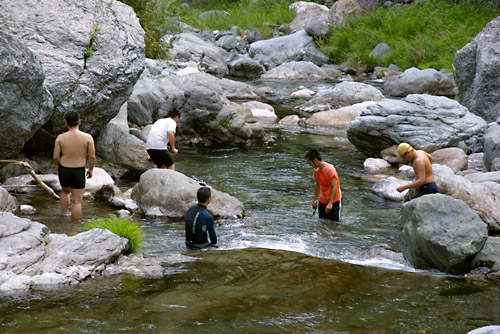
x: 70, y: 177
x: 428, y: 188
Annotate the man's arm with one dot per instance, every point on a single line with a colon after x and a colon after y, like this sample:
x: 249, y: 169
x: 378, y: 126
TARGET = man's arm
x: 316, y: 195
x: 211, y: 230
x: 332, y: 196
x: 91, y: 154
x: 171, y: 140
x: 419, y: 169
x: 57, y: 152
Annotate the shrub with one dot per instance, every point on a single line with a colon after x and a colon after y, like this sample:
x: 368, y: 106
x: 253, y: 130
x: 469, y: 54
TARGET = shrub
x: 423, y: 34
x: 124, y: 227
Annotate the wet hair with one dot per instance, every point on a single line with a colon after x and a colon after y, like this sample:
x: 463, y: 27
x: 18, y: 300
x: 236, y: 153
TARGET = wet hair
x: 203, y: 194
x: 72, y: 118
x: 173, y: 112
x: 313, y: 154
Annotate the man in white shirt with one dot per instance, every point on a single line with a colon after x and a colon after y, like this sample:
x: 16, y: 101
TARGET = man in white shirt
x: 162, y: 133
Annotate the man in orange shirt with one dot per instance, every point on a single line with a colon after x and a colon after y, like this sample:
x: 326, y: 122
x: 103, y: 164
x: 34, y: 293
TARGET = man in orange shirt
x: 327, y: 187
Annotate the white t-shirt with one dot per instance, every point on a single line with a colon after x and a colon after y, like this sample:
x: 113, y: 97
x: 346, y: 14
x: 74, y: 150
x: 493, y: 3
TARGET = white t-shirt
x: 158, y: 136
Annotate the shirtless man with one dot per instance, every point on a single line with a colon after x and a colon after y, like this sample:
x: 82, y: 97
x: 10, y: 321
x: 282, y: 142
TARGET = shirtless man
x: 70, y: 156
x: 422, y: 165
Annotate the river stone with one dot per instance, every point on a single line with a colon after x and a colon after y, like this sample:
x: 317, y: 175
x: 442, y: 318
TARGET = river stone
x: 244, y: 66
x: 190, y: 47
x: 424, y: 121
x: 489, y: 255
x: 344, y: 94
x: 486, y: 330
x: 164, y: 192
x: 25, y: 103
x: 440, y: 232
x: 336, y: 118
x: 8, y: 203
x: 483, y: 197
x: 415, y: 81
x: 387, y: 189
x: 62, y: 34
x: 491, y: 146
x: 296, y: 70
x: 306, y: 15
x: 478, y: 72
x: 452, y: 157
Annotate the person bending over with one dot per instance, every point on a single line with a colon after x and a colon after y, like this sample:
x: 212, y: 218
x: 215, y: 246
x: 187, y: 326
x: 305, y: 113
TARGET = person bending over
x: 163, y: 133
x: 327, y: 187
x: 422, y: 166
x: 70, y: 156
x: 198, y: 222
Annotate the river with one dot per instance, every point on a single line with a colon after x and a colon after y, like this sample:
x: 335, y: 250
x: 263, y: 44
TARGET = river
x: 277, y: 270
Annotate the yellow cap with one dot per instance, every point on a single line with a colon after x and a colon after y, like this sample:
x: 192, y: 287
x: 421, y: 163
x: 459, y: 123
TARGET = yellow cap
x: 403, y: 148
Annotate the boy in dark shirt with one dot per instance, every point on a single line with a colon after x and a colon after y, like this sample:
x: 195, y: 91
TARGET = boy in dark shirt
x: 199, y: 221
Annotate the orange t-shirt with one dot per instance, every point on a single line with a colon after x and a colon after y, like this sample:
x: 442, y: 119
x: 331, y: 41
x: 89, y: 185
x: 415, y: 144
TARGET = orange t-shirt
x: 324, y: 177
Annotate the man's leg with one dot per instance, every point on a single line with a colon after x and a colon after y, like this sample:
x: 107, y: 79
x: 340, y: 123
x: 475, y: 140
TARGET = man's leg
x: 77, y: 198
x: 65, y: 200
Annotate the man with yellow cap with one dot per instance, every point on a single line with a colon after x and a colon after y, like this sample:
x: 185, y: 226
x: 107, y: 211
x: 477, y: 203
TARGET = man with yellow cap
x: 422, y: 165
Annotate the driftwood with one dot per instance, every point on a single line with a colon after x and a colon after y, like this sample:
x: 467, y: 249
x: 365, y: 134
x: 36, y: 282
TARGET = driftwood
x: 30, y: 170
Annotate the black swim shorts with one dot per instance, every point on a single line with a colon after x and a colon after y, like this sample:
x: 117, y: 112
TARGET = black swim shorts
x: 161, y: 158
x: 334, y: 214
x: 72, y: 177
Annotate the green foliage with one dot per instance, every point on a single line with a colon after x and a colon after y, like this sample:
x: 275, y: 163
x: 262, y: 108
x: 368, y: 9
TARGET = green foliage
x: 159, y: 16
x: 423, y: 34
x: 124, y: 227
x: 266, y: 15
x: 88, y: 52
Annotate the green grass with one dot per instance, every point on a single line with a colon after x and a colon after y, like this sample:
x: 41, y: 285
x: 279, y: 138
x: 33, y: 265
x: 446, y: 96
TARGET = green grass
x: 423, y: 34
x: 124, y: 227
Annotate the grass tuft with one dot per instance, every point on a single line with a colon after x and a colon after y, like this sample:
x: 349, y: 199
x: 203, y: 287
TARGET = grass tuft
x: 124, y: 227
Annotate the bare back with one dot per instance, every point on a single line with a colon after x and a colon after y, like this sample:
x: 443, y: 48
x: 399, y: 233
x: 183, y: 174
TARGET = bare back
x: 72, y: 147
x: 422, y: 165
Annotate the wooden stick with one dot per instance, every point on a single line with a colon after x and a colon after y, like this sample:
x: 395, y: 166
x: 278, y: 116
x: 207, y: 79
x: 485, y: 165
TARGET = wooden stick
x: 30, y: 170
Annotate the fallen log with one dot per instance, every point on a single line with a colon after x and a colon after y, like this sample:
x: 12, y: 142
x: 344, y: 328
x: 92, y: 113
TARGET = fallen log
x: 30, y: 170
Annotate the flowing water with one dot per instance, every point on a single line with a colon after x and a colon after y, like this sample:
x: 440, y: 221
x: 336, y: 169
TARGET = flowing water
x: 277, y: 270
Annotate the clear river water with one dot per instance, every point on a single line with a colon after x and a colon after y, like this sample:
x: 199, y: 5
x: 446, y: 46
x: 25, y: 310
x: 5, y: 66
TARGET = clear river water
x: 277, y: 270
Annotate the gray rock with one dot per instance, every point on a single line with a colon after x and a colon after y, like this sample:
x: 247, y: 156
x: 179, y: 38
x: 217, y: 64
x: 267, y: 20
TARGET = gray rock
x: 484, y: 177
x: 296, y: 70
x: 189, y: 47
x: 244, y: 66
x: 8, y: 203
x: 239, y: 90
x: 387, y: 189
x: 484, y: 197
x: 253, y: 35
x: 307, y: 15
x: 26, y: 109
x: 424, y: 121
x: 440, y: 232
x: 26, y: 184
x: 336, y: 119
x: 163, y: 192
x: 372, y: 165
x: 415, y: 81
x: 91, y: 53
x: 276, y: 51
x: 343, y: 94
x: 478, y: 72
x: 452, y: 157
x: 342, y: 8
x: 380, y: 52
x: 491, y: 145
x: 486, y: 330
x: 490, y: 254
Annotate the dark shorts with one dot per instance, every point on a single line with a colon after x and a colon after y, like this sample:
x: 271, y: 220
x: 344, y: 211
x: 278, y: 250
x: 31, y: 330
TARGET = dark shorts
x: 161, y: 158
x: 70, y: 177
x: 334, y: 214
x: 429, y: 188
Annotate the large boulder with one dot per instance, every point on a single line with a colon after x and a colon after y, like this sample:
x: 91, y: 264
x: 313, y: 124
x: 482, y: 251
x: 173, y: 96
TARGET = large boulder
x: 296, y: 70
x: 276, y: 51
x: 440, y: 232
x: 167, y: 193
x: 25, y: 103
x: 482, y: 197
x: 190, y: 47
x: 415, y: 81
x: 478, y: 73
x: 8, y: 203
x: 341, y: 95
x: 336, y: 118
x: 92, y: 54
x: 307, y: 13
x: 424, y: 121
x: 31, y: 257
